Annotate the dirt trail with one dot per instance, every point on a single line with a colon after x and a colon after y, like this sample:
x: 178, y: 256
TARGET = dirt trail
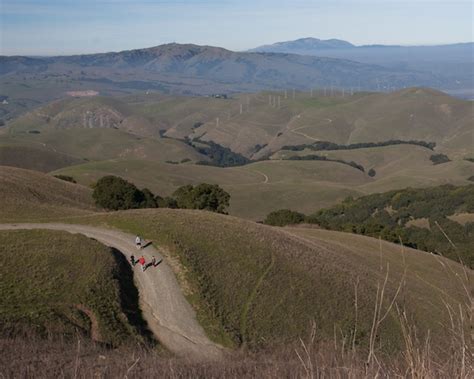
x: 295, y: 130
x: 168, y: 314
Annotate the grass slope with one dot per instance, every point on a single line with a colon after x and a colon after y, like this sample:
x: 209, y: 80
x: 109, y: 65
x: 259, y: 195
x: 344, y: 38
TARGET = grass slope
x: 29, y: 195
x: 263, y: 126
x: 269, y: 289
x: 306, y: 186
x: 255, y: 189
x: 95, y: 128
x: 59, y: 283
x: 32, y: 158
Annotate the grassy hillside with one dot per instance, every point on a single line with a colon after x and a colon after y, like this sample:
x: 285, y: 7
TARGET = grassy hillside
x: 100, y: 144
x: 271, y: 288
x: 59, y: 283
x: 256, y: 125
x: 95, y: 128
x: 411, y: 114
x: 255, y: 189
x: 422, y: 218
x: 395, y: 166
x: 34, y: 158
x: 306, y: 186
x: 29, y: 195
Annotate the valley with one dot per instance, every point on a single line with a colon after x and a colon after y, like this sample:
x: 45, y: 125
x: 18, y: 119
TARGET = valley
x: 163, y: 142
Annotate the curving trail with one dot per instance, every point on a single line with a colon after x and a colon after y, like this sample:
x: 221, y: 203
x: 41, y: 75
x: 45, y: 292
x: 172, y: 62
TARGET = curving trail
x: 265, y: 176
x: 169, y: 316
x: 294, y: 131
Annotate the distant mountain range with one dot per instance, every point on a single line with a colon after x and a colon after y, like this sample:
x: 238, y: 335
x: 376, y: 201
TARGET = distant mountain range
x: 454, y: 62
x: 192, y: 69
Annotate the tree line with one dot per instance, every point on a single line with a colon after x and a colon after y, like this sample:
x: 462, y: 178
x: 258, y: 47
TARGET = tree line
x: 115, y: 193
x: 326, y: 145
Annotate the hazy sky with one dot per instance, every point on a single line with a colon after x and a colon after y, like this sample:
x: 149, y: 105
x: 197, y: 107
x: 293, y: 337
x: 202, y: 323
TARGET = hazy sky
x: 47, y: 27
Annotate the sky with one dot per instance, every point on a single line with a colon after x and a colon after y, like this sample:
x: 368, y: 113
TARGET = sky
x: 58, y: 27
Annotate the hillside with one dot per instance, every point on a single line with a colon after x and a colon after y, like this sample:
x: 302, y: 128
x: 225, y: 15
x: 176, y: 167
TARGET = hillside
x: 67, y: 285
x: 307, y: 186
x: 253, y: 125
x: 270, y: 289
x: 240, y: 287
x: 155, y: 141
x: 255, y: 189
x: 29, y: 195
x: 436, y: 219
x: 93, y: 129
x: 33, y: 158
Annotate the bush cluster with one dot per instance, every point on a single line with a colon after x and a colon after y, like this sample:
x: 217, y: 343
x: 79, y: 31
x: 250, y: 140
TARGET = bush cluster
x: 284, y: 217
x: 439, y: 158
x: 205, y: 196
x: 115, y: 193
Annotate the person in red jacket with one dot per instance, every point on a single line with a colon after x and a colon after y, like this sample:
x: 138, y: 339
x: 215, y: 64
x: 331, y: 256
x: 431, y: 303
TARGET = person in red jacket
x: 142, y: 262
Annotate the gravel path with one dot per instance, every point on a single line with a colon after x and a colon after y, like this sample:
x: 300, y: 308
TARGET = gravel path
x: 168, y: 314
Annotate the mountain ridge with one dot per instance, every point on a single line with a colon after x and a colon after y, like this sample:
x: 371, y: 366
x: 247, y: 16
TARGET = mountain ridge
x: 236, y: 71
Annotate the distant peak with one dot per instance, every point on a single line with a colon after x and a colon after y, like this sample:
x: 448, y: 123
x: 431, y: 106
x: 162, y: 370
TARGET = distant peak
x: 307, y: 43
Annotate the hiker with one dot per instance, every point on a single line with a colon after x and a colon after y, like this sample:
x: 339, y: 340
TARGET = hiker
x: 153, y: 261
x: 132, y: 260
x: 142, y: 262
x: 138, y: 242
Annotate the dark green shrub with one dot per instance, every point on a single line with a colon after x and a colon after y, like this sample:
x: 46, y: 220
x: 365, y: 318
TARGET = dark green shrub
x: 150, y: 200
x: 167, y: 202
x: 371, y: 173
x: 284, y: 217
x: 114, y: 193
x: 439, y: 158
x: 205, y: 196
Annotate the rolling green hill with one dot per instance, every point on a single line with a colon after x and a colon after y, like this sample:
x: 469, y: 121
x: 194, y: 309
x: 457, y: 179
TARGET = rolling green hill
x: 29, y: 195
x: 306, y: 186
x: 270, y: 120
x: 270, y: 289
x: 63, y: 284
x: 34, y: 158
x: 255, y: 189
x: 95, y: 128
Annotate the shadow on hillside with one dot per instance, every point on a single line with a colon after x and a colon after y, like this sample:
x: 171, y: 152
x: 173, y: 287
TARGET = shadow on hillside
x: 129, y: 298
